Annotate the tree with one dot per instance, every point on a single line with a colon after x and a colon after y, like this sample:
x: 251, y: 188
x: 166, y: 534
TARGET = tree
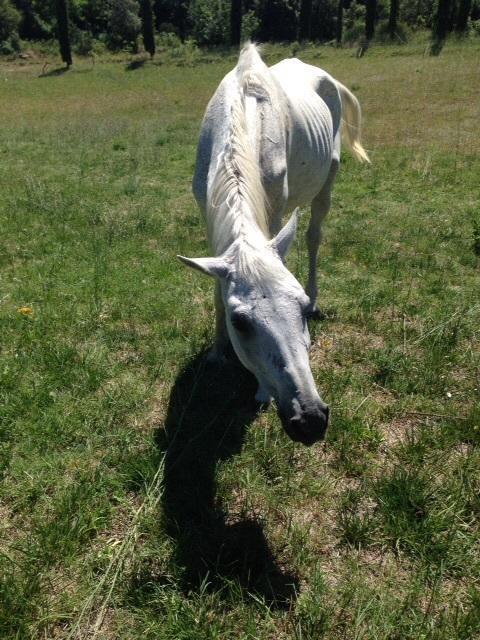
x: 370, y: 16
x: 339, y: 25
x: 235, y: 22
x: 305, y: 21
x: 277, y: 21
x: 124, y: 23
x: 210, y: 21
x: 464, y: 9
x: 441, y: 26
x: 147, y: 26
x: 9, y: 21
x: 63, y: 34
x: 323, y: 24
x: 393, y: 18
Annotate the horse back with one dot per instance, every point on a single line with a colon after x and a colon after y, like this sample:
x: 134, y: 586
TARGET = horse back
x: 315, y: 109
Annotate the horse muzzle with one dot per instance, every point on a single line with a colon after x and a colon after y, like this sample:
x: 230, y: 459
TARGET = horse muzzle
x: 306, y: 426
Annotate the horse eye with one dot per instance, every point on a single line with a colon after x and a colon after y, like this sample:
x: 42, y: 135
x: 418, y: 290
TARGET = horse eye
x: 241, y: 322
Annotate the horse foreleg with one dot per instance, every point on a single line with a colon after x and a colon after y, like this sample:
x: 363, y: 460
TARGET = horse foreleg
x: 320, y: 208
x: 220, y: 347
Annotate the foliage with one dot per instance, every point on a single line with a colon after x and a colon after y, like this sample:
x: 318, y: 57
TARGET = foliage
x: 84, y: 43
x: 9, y: 23
x: 123, y: 23
x: 250, y: 25
x: 210, y: 21
x: 354, y: 23
x: 383, y: 33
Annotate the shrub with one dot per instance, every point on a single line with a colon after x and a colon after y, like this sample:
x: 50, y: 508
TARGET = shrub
x: 210, y: 21
x: 382, y: 33
x: 124, y: 24
x: 250, y: 26
x: 168, y: 27
x: 9, y: 21
x: 354, y: 23
x: 84, y: 43
x: 474, y: 27
x: 168, y: 41
x: 355, y: 33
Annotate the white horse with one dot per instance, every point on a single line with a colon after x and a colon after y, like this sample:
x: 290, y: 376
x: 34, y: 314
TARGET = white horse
x: 269, y: 142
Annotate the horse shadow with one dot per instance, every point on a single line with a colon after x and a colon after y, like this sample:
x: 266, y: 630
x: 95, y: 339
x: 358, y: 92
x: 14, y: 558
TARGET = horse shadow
x: 209, y: 411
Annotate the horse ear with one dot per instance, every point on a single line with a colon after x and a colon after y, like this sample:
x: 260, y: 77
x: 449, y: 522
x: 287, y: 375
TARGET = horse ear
x: 211, y: 266
x: 284, y: 238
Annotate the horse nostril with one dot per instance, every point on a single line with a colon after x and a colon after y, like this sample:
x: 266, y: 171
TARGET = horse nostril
x: 307, y: 426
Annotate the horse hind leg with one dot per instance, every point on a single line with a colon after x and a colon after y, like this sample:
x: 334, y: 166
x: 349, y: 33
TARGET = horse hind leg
x: 320, y: 208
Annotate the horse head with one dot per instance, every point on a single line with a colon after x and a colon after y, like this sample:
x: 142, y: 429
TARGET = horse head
x: 266, y: 312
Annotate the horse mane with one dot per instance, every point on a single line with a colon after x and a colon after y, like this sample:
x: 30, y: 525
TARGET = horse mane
x: 237, y: 196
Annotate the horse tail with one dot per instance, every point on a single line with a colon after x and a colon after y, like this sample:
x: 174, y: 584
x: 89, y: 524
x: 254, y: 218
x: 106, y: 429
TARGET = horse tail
x: 352, y: 119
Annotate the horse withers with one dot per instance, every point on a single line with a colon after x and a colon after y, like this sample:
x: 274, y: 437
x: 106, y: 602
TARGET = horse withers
x: 269, y: 142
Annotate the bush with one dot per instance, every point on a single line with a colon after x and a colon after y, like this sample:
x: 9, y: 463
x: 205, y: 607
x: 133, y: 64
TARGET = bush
x: 210, y: 21
x: 168, y: 27
x: 124, y: 24
x: 474, y: 27
x: 84, y: 43
x: 355, y: 33
x: 168, y: 41
x: 382, y: 33
x: 9, y: 21
x: 354, y: 23
x: 250, y: 26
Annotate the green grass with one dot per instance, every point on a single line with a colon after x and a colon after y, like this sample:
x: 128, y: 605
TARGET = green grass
x: 142, y: 494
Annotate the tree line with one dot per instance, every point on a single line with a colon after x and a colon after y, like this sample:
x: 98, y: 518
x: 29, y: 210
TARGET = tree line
x: 125, y: 23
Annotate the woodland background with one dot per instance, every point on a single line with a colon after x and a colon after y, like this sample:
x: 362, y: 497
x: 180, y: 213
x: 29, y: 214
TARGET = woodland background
x: 89, y: 27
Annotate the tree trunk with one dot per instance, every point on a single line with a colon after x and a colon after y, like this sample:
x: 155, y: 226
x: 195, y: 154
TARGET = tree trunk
x: 464, y: 9
x: 305, y: 22
x: 393, y: 18
x: 339, y: 26
x: 441, y: 26
x: 235, y: 22
x: 63, y: 33
x: 370, y: 17
x: 146, y: 15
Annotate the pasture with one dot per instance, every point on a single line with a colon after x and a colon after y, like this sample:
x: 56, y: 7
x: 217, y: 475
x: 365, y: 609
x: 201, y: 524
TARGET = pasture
x: 142, y: 494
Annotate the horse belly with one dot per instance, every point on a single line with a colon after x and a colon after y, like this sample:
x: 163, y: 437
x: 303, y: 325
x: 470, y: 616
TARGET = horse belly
x: 310, y: 151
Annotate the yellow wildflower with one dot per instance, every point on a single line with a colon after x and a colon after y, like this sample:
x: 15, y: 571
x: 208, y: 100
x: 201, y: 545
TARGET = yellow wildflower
x: 25, y: 311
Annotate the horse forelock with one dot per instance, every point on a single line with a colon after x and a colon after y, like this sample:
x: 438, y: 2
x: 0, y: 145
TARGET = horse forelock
x: 257, y: 267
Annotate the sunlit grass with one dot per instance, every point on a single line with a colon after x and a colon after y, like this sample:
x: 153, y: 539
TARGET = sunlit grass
x: 142, y: 494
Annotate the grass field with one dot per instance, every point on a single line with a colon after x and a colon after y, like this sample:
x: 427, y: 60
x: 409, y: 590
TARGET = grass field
x: 142, y: 494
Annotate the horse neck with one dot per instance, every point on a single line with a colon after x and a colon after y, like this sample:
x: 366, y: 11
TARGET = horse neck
x: 235, y: 225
